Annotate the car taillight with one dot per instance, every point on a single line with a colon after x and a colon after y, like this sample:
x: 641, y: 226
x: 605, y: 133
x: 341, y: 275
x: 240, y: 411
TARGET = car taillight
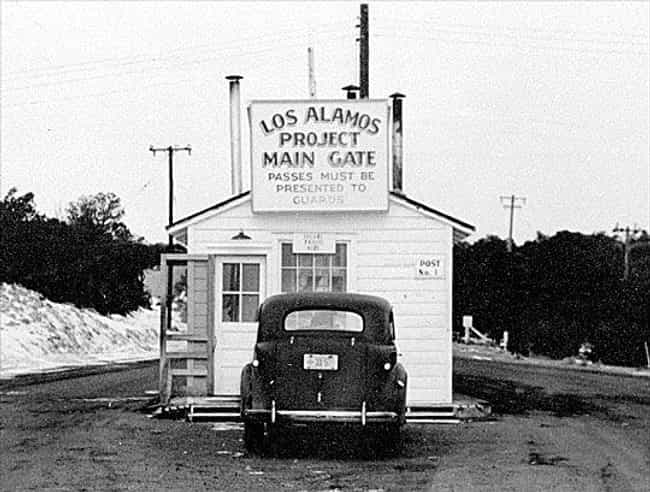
x: 387, y: 366
x: 256, y: 363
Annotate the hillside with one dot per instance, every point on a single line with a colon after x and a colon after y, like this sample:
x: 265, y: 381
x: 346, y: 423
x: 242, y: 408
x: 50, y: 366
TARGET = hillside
x: 37, y: 334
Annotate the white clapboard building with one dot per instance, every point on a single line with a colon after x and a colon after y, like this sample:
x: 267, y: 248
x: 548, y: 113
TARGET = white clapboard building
x: 325, y: 212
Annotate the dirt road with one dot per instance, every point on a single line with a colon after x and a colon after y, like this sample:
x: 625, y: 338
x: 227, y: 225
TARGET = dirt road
x: 552, y: 430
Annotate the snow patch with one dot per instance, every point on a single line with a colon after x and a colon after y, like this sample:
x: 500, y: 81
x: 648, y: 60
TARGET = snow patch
x: 38, y: 335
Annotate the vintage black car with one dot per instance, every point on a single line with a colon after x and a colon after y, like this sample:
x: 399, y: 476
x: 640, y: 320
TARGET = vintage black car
x: 323, y: 358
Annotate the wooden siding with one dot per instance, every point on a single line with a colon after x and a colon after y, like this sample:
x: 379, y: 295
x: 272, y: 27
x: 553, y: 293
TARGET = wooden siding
x: 383, y: 249
x: 198, y: 301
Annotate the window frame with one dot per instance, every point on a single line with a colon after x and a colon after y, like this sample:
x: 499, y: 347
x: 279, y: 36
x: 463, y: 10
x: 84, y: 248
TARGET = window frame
x: 240, y: 293
x: 295, y: 267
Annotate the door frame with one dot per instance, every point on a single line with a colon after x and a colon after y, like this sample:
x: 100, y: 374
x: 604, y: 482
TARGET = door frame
x: 214, y: 296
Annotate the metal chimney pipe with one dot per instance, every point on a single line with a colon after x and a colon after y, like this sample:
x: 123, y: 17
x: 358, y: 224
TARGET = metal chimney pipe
x: 398, y: 153
x: 235, y: 134
x: 351, y: 91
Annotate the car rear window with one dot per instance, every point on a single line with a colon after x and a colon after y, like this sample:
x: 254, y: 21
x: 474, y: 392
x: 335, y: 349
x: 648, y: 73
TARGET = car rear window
x: 323, y: 319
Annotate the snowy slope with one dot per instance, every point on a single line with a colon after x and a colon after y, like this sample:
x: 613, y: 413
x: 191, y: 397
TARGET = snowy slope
x: 37, y: 334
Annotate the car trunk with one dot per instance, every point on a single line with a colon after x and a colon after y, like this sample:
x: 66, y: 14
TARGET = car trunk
x: 320, y: 372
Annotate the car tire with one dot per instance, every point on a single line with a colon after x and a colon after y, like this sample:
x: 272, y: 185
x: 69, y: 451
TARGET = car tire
x: 381, y: 441
x: 254, y: 437
x: 274, y: 444
x: 392, y: 440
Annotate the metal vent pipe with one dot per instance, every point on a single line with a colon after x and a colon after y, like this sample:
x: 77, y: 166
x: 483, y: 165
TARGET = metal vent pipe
x: 235, y: 134
x: 397, y: 137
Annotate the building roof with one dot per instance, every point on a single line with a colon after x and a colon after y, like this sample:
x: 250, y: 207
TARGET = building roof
x: 211, y: 208
x: 461, y: 229
x: 431, y: 210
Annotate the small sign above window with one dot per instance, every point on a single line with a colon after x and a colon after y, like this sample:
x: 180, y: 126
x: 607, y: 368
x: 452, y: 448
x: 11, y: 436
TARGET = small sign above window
x: 430, y: 266
x: 313, y: 242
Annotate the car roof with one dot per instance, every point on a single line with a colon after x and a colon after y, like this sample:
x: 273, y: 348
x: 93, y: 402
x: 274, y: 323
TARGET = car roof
x: 341, y: 300
x: 375, y: 310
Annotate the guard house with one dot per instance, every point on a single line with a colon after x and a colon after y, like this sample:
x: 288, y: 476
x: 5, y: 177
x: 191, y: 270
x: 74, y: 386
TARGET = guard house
x: 321, y: 215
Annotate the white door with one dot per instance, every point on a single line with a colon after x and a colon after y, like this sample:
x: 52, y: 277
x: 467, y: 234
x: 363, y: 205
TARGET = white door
x: 240, y: 288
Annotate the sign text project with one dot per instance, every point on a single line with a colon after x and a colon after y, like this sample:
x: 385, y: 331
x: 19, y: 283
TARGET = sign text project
x: 319, y: 155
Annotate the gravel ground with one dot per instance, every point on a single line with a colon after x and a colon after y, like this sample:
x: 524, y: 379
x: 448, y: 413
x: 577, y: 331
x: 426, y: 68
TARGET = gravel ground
x: 552, y: 430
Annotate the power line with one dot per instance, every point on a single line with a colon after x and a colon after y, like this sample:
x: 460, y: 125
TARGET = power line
x: 182, y: 64
x: 139, y: 88
x: 487, y: 33
x: 401, y: 35
x: 146, y: 58
x: 520, y: 29
x: 97, y: 94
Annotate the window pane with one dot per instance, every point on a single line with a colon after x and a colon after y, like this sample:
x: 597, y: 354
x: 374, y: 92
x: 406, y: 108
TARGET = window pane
x: 323, y: 320
x: 322, y: 260
x: 305, y: 280
x: 291, y: 322
x: 179, y: 300
x: 305, y: 260
x: 338, y: 280
x: 288, y: 280
x: 251, y: 277
x: 230, y: 307
x: 340, y: 259
x: 322, y: 280
x: 249, y: 305
x: 231, y: 276
x: 288, y: 258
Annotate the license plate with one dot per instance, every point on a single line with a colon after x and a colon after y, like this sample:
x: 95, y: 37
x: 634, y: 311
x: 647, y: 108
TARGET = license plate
x: 321, y: 362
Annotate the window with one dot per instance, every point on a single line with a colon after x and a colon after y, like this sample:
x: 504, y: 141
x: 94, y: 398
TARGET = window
x: 241, y: 291
x: 314, y: 272
x: 321, y: 319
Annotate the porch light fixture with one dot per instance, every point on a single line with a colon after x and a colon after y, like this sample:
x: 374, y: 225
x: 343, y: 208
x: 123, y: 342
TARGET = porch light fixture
x: 240, y: 235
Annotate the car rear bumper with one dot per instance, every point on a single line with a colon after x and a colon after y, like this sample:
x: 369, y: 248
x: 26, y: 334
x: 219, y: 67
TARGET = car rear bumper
x: 334, y: 416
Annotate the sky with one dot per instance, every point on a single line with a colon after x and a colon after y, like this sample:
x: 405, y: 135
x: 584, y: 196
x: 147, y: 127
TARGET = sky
x: 546, y: 101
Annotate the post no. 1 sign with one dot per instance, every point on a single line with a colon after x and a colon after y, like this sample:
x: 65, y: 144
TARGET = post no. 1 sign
x: 319, y: 155
x: 431, y: 266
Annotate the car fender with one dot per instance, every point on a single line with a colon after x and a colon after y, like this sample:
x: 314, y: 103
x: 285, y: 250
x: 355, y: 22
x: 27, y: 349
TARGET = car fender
x: 401, y: 375
x: 391, y: 393
x: 246, y: 387
x: 252, y: 392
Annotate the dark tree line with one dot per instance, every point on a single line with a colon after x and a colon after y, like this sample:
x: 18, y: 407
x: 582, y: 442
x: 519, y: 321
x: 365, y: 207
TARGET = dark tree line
x: 551, y: 294
x: 89, y: 259
x: 555, y: 293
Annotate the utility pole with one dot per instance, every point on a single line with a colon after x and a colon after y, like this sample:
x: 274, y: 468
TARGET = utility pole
x: 510, y: 202
x: 312, y: 77
x: 166, y: 312
x: 170, y: 151
x: 364, y: 53
x: 630, y: 234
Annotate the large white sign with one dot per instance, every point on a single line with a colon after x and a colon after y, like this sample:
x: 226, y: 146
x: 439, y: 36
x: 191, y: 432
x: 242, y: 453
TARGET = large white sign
x: 316, y: 155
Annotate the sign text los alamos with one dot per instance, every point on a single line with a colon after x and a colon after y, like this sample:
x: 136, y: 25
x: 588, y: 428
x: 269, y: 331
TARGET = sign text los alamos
x: 319, y: 155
